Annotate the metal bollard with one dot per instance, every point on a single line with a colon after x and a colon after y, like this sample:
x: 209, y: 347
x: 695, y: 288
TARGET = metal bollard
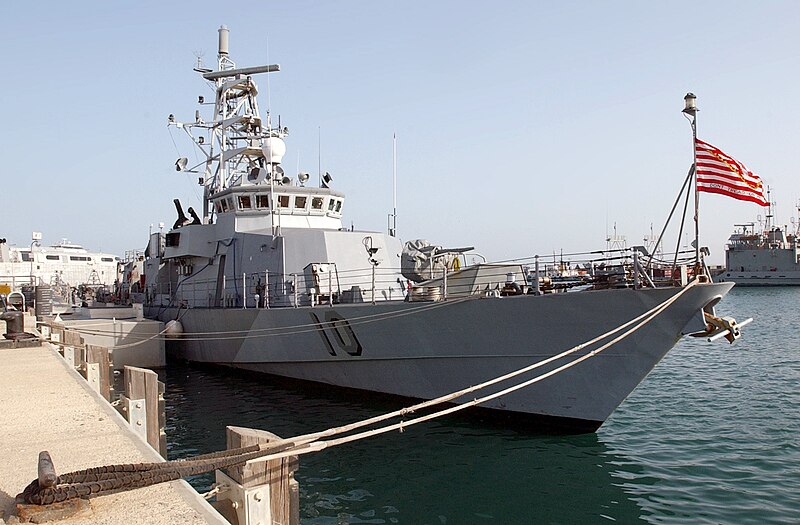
x: 47, y: 471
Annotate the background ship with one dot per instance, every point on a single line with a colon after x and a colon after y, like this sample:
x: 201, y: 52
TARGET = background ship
x: 767, y: 256
x: 67, y: 270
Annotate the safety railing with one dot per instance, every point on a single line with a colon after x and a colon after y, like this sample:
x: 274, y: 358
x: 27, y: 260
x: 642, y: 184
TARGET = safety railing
x: 269, y: 289
x: 539, y: 274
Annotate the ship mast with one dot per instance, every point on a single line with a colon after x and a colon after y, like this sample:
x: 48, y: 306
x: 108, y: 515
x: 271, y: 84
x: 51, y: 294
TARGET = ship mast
x: 770, y: 210
x: 393, y: 223
x: 240, y: 149
x: 690, y: 110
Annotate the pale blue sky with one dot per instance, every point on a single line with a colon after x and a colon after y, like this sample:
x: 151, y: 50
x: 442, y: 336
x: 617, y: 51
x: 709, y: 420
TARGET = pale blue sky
x: 523, y: 127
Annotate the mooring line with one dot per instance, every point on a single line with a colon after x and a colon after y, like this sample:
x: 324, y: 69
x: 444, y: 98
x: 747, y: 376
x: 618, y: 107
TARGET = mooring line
x: 100, y: 480
x: 317, y: 445
x: 281, y: 330
x: 468, y: 390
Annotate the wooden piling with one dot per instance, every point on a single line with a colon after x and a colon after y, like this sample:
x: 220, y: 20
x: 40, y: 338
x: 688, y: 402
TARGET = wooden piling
x: 92, y: 362
x: 57, y: 336
x: 99, y: 358
x: 143, y: 386
x: 74, y: 355
x: 276, y: 474
x: 72, y: 338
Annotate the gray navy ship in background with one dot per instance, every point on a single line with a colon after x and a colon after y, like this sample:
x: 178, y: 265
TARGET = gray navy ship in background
x: 267, y: 279
x: 767, y: 256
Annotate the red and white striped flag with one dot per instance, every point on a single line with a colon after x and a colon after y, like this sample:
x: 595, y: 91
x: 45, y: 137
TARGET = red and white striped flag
x: 718, y: 172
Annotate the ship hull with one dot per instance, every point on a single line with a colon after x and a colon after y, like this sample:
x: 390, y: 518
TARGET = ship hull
x: 425, y: 350
x: 770, y: 278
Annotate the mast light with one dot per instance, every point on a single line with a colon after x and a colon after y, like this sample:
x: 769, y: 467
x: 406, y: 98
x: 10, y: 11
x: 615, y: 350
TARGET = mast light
x: 690, y: 101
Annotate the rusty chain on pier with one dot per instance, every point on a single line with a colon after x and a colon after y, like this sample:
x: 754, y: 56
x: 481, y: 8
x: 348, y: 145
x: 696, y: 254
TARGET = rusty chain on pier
x: 114, y: 478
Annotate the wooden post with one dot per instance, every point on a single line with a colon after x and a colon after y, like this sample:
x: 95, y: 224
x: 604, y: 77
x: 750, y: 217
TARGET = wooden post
x: 79, y: 359
x: 99, y: 370
x: 70, y: 346
x: 74, y: 355
x: 275, y: 478
x: 143, y: 406
x: 72, y: 338
x: 57, y: 336
x: 72, y: 349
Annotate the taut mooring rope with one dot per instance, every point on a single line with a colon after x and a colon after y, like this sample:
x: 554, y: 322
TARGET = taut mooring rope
x: 100, y: 480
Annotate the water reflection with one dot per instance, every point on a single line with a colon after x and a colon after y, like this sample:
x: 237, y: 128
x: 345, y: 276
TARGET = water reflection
x: 455, y: 470
x: 710, y: 437
x: 717, y: 425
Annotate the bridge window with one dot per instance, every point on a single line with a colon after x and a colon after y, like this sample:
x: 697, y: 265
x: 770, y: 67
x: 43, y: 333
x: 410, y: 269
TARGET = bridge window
x: 331, y: 204
x: 316, y: 203
x: 52, y: 257
x: 262, y: 201
x: 224, y: 204
x: 107, y: 259
x: 283, y: 201
x: 79, y: 258
x: 173, y: 239
x: 338, y: 206
x: 300, y: 202
x: 244, y: 202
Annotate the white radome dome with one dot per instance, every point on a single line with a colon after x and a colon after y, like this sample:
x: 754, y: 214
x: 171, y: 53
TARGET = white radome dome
x: 274, y: 149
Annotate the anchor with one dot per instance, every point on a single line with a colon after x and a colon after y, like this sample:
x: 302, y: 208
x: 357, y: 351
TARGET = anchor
x: 719, y: 327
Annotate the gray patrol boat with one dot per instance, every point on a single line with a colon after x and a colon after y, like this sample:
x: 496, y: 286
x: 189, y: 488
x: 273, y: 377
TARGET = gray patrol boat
x: 268, y: 280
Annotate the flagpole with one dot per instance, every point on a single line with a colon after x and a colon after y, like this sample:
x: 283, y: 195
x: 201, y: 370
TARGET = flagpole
x: 394, y: 184
x: 690, y: 109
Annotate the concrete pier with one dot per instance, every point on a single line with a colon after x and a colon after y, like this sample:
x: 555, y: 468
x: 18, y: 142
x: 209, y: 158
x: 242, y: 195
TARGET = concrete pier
x: 118, y: 334
x: 45, y: 405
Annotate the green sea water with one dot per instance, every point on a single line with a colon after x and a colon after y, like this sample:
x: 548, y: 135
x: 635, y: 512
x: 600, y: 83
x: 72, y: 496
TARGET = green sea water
x: 711, y: 436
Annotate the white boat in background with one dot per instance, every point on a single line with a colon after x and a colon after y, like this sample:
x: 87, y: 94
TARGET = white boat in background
x: 267, y: 279
x: 65, y: 267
